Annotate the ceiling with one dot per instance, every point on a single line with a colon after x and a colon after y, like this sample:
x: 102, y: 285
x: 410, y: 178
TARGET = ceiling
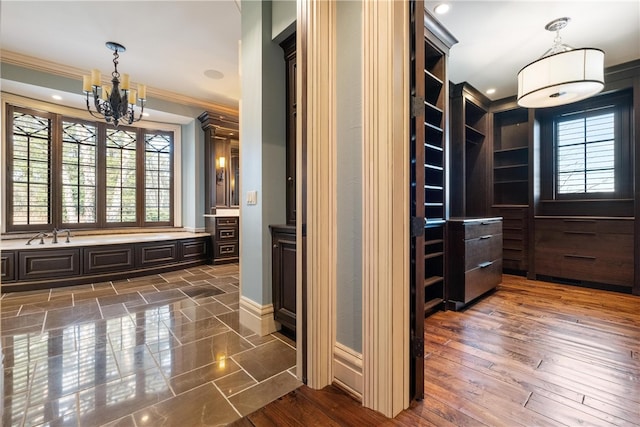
x: 497, y: 38
x: 170, y: 44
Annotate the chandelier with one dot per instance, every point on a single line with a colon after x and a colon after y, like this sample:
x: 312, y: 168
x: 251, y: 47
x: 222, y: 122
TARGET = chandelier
x: 562, y: 75
x: 117, y: 103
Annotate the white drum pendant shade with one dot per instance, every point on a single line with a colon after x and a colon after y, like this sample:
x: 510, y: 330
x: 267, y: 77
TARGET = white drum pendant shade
x: 561, y: 78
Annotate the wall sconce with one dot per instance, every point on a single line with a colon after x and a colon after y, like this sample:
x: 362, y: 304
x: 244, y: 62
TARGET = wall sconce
x: 220, y: 169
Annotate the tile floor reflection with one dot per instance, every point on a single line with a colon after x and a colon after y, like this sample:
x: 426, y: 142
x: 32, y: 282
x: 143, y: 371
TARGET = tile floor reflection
x: 160, y: 350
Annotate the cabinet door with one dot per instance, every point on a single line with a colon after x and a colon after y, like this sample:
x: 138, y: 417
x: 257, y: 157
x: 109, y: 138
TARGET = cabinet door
x: 7, y: 264
x: 43, y: 264
x: 284, y: 279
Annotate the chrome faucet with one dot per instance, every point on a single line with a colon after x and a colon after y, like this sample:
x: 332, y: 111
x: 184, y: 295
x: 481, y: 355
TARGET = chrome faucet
x: 40, y: 235
x: 55, y: 235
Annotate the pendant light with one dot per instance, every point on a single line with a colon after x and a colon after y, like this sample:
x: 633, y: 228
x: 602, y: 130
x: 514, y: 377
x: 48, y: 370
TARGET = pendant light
x: 562, y: 75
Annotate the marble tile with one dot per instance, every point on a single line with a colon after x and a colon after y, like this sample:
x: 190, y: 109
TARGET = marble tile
x: 127, y: 421
x: 234, y: 383
x: 230, y: 298
x: 193, y: 331
x: 232, y: 319
x: 131, y: 360
x: 14, y: 408
x: 228, y: 287
x: 267, y: 360
x: 202, y: 375
x: 63, y: 301
x: 259, y: 395
x: 197, y: 276
x: 198, y: 407
x: 103, y: 292
x: 257, y: 340
x: 116, y: 399
x: 204, y: 311
x: 286, y: 339
x: 120, y: 299
x: 166, y: 296
x: 173, y: 284
x: 62, y: 411
x: 148, y: 351
x: 199, y: 292
x: 22, y: 324
x: 113, y: 310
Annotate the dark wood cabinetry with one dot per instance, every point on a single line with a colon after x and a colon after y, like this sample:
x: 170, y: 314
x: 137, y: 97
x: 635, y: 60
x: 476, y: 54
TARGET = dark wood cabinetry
x: 470, y: 151
x: 511, y: 179
x: 431, y: 169
x: 226, y: 240
x: 105, y: 259
x: 61, y: 266
x: 585, y: 249
x: 7, y: 266
x: 151, y: 254
x: 289, y: 48
x: 515, y: 237
x: 474, y: 258
x: 42, y: 264
x: 283, y: 258
x: 511, y: 157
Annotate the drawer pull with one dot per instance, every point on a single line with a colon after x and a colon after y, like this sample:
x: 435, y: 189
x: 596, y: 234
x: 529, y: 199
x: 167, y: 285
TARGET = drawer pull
x: 227, y: 249
x: 585, y: 233
x: 485, y: 237
x: 588, y: 221
x: 224, y: 234
x: 485, y: 264
x: 579, y: 256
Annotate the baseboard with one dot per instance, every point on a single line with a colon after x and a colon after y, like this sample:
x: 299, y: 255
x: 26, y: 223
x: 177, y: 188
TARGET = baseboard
x: 258, y: 318
x: 347, y: 370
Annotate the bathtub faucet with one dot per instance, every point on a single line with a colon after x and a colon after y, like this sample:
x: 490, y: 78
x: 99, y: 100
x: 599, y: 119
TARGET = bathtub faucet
x: 40, y: 235
x: 55, y: 235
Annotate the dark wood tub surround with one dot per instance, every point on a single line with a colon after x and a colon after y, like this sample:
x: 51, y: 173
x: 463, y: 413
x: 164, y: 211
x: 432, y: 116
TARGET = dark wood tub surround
x: 28, y: 269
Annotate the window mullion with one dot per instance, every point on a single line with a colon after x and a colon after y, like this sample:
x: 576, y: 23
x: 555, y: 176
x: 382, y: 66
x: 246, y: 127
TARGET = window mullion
x: 140, y: 177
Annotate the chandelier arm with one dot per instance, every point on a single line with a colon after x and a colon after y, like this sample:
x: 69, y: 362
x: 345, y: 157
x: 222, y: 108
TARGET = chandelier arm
x: 89, y: 109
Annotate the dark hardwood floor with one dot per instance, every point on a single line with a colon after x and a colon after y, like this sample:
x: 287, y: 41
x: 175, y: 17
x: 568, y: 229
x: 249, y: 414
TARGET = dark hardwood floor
x: 530, y: 354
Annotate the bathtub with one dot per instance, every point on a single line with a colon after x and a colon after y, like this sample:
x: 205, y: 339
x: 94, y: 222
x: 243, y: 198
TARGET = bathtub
x: 97, y: 257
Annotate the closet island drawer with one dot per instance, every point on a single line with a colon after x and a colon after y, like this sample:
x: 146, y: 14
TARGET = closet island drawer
x: 474, y: 259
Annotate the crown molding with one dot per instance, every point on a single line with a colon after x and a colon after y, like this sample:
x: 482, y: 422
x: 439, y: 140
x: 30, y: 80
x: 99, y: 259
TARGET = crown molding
x: 49, y: 67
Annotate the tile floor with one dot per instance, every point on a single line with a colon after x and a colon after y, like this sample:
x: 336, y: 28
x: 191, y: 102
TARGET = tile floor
x: 160, y: 350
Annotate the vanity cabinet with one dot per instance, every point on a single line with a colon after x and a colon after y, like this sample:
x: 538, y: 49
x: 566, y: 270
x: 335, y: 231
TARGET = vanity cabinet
x: 474, y: 258
x: 226, y: 239
x: 283, y: 257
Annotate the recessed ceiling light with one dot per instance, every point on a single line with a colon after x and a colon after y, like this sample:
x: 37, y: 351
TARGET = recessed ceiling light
x: 491, y: 91
x: 442, y: 8
x: 57, y: 97
x: 214, y: 74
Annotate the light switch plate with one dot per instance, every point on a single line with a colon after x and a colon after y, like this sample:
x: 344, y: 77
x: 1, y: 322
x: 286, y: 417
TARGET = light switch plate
x: 252, y: 197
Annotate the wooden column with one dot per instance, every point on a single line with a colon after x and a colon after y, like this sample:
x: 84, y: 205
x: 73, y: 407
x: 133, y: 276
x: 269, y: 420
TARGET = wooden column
x: 386, y: 206
x: 316, y: 194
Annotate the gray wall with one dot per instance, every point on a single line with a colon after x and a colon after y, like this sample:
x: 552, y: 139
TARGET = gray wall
x: 349, y: 171
x: 262, y: 149
x: 284, y: 15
